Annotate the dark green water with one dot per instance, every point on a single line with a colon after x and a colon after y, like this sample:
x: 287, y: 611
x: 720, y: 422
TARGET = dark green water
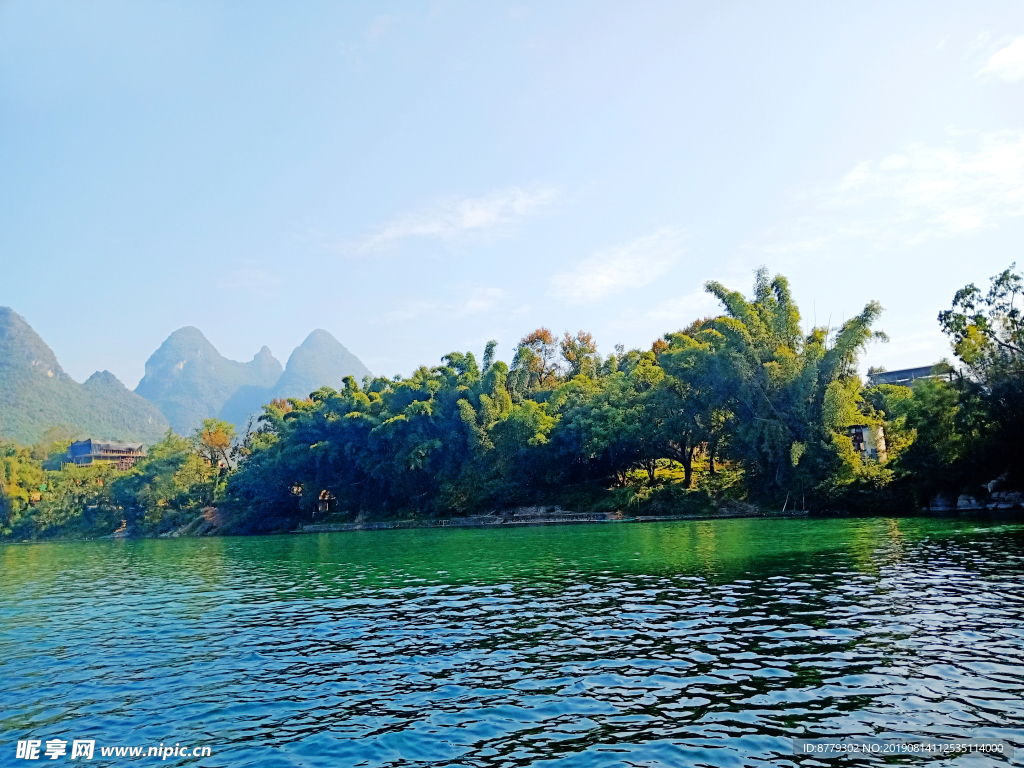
x: 659, y: 644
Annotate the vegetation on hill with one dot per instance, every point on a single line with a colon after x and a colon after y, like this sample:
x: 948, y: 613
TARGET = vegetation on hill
x: 563, y: 425
x: 741, y: 406
x: 40, y: 496
x: 36, y: 394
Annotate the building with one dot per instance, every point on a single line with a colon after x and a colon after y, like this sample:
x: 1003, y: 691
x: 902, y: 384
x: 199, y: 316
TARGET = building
x: 326, y: 502
x: 86, y: 452
x: 870, y: 441
x: 905, y: 377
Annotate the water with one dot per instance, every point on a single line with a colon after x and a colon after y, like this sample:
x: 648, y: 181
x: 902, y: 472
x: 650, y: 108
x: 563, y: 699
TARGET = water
x: 658, y: 644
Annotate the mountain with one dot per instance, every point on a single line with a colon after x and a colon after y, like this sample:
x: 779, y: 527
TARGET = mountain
x: 321, y: 360
x: 36, y: 394
x: 189, y: 380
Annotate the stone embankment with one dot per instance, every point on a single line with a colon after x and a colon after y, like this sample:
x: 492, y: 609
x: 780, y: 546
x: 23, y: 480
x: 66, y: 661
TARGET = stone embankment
x: 524, y: 516
x: 208, y: 523
x: 997, y: 500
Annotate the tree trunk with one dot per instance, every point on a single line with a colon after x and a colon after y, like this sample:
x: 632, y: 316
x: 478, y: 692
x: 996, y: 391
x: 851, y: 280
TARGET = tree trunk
x: 711, y: 459
x: 688, y: 467
x: 651, y: 466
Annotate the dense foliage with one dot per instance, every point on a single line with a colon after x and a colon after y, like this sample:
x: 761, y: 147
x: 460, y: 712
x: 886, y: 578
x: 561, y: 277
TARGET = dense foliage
x: 746, y: 405
x: 42, y: 496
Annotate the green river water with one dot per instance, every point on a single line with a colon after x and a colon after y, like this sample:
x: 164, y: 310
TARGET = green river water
x: 657, y: 644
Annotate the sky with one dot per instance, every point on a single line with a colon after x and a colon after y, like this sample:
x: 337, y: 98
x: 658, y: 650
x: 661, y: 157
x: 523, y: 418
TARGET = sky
x: 418, y: 178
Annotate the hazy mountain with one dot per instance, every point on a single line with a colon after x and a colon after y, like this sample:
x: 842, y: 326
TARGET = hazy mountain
x: 190, y: 380
x: 321, y: 360
x: 36, y: 394
x: 187, y: 380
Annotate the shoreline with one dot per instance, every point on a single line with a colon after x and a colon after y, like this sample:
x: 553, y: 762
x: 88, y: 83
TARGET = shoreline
x: 577, y: 518
x: 515, y: 520
x: 533, y: 517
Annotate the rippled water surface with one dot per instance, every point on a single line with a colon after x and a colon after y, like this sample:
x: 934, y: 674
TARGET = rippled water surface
x: 658, y: 644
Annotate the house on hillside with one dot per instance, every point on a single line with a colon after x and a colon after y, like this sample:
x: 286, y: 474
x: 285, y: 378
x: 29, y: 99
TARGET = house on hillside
x: 906, y: 377
x: 86, y: 452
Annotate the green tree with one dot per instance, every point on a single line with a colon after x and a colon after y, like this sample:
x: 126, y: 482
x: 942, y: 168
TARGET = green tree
x: 166, y: 489
x: 580, y: 354
x: 987, y: 329
x: 782, y: 401
x: 987, y: 333
x: 213, y: 442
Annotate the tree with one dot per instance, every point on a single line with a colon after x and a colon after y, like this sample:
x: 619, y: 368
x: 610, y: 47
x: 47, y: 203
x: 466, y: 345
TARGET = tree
x: 782, y: 401
x: 166, y: 489
x: 535, y: 361
x: 579, y: 353
x: 604, y: 427
x: 987, y: 331
x: 213, y: 441
x: 697, y: 399
x: 20, y: 478
x: 492, y: 345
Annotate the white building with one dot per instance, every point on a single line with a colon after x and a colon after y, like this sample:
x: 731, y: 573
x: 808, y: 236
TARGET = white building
x: 870, y: 441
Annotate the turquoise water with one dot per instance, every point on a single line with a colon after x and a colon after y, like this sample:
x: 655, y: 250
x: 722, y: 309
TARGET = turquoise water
x: 657, y: 644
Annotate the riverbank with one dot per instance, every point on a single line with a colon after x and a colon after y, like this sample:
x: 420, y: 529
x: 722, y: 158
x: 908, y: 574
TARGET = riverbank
x: 533, y: 516
x: 212, y: 522
x: 209, y: 524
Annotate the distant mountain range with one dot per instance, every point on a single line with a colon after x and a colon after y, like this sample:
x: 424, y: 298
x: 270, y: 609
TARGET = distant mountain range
x: 190, y: 380
x: 36, y: 394
x: 187, y: 380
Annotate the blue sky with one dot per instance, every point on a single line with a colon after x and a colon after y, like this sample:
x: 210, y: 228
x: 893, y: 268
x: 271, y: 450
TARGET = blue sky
x: 422, y: 177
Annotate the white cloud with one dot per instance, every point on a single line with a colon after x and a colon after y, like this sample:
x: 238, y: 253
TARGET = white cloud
x: 411, y: 310
x: 685, y: 309
x: 1008, y: 63
x: 479, y: 300
x: 254, y: 280
x: 476, y: 301
x: 943, y: 191
x: 380, y: 26
x: 919, y: 194
x: 464, y: 215
x: 618, y: 269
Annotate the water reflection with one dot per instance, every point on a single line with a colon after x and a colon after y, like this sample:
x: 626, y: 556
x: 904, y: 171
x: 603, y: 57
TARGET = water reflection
x: 708, y: 643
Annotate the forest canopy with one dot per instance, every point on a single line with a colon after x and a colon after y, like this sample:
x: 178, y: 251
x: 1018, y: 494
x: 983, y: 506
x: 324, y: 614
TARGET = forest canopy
x: 746, y: 405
